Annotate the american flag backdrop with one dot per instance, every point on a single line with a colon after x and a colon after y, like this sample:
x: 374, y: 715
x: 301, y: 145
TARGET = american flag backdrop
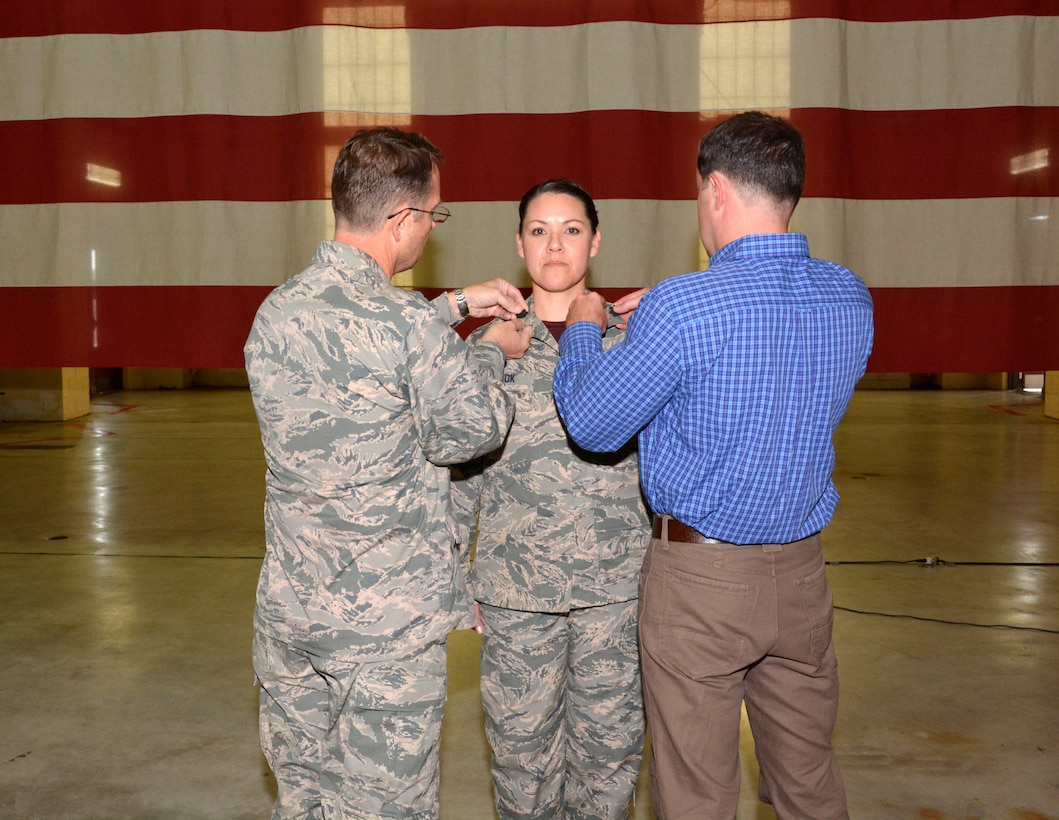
x: 166, y: 164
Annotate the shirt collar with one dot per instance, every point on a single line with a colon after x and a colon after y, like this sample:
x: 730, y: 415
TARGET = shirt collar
x: 351, y: 259
x: 763, y: 244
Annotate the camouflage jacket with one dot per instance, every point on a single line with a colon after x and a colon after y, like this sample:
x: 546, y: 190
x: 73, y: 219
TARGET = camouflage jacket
x: 365, y: 395
x: 557, y: 527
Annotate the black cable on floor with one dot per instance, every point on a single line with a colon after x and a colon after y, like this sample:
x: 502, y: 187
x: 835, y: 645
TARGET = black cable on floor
x: 951, y: 623
x: 936, y: 562
x: 996, y: 563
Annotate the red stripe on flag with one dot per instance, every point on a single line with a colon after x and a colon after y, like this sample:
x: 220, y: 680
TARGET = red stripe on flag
x: 958, y: 153
x: 136, y: 326
x: 47, y: 17
x: 918, y: 330
x: 965, y: 330
x: 932, y: 154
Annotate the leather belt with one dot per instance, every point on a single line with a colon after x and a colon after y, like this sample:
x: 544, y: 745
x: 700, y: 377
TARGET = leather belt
x: 680, y: 532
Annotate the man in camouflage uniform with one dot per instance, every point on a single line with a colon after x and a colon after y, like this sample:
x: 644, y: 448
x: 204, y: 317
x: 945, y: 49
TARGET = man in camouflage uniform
x: 561, y: 535
x: 364, y: 394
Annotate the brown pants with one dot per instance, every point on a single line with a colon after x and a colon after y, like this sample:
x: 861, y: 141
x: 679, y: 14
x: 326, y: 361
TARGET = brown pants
x: 723, y: 624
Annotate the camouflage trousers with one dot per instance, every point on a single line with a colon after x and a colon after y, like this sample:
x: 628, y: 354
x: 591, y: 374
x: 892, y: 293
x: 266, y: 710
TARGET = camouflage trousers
x: 563, y: 711
x: 351, y: 740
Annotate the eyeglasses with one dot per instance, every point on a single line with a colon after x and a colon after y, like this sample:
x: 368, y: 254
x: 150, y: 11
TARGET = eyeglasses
x: 439, y: 214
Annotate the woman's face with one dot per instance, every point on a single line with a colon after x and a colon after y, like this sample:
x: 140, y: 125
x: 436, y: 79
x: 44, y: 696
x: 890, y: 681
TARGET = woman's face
x: 557, y: 241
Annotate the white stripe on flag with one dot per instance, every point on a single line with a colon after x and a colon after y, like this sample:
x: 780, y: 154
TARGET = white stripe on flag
x: 936, y: 243
x: 801, y: 63
x: 925, y: 243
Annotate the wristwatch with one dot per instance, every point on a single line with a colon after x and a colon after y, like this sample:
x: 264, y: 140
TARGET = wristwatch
x: 461, y: 303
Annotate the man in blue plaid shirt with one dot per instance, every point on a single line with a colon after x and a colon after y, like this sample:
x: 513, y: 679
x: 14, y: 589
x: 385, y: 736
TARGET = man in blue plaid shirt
x: 735, y: 379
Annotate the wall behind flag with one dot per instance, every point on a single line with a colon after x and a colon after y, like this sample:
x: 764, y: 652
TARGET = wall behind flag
x: 165, y: 165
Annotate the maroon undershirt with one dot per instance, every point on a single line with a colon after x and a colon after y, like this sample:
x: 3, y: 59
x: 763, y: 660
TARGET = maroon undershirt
x: 556, y: 328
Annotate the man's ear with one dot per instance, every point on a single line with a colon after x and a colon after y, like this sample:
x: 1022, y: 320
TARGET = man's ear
x: 397, y: 224
x: 710, y: 190
x: 718, y: 192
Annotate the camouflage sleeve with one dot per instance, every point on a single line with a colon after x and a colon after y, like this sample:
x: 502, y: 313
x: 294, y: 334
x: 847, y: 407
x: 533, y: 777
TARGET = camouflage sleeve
x: 468, y: 478
x: 466, y: 493
x: 491, y: 357
x: 458, y: 406
x: 444, y: 308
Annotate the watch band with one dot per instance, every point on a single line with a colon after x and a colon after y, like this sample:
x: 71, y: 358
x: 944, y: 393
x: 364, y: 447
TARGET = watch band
x: 461, y: 303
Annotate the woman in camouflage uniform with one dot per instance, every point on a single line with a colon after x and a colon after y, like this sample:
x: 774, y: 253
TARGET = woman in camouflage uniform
x: 561, y: 535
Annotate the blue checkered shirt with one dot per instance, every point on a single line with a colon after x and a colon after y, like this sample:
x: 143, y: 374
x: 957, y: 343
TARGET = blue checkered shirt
x: 735, y: 379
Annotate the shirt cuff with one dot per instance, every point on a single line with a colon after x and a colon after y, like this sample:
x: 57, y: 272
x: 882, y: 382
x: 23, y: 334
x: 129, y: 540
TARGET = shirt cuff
x: 581, y: 339
x: 491, y: 357
x: 444, y: 308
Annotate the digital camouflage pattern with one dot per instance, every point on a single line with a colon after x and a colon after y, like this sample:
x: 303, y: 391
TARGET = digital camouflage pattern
x: 322, y: 728
x: 558, y: 527
x: 561, y: 536
x: 564, y: 711
x: 364, y: 395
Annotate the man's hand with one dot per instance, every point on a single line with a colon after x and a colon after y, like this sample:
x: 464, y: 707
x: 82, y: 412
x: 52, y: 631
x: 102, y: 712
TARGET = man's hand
x: 588, y: 307
x: 513, y: 337
x: 627, y: 304
x: 495, y: 298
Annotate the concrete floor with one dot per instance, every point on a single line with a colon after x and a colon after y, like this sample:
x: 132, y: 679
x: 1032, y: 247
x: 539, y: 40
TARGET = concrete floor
x: 130, y: 542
